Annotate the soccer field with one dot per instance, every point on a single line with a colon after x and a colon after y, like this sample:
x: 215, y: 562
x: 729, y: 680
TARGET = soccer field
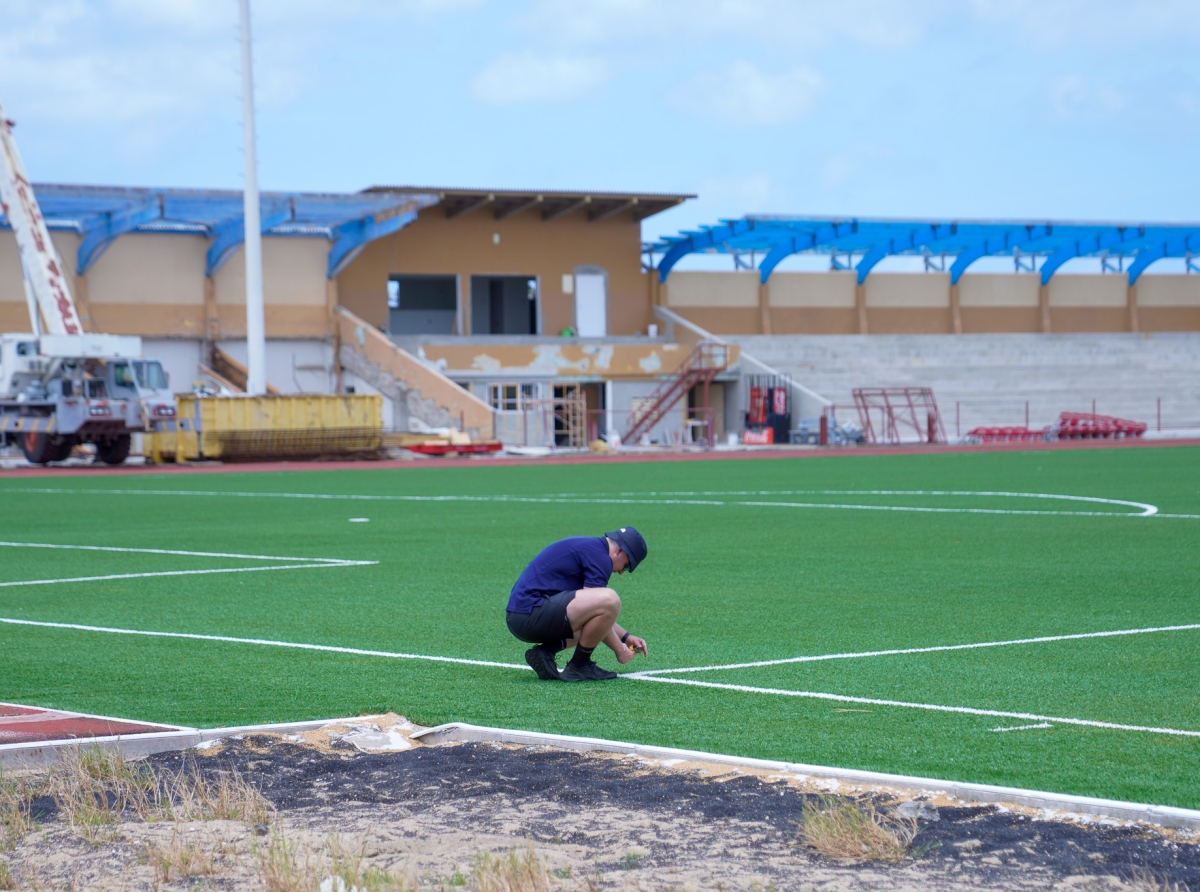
x: 869, y: 612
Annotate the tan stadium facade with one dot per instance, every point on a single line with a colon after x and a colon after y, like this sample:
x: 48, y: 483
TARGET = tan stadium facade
x: 487, y: 289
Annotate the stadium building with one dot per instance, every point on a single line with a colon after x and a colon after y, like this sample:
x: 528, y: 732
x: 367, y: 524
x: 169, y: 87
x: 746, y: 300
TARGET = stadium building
x: 542, y: 317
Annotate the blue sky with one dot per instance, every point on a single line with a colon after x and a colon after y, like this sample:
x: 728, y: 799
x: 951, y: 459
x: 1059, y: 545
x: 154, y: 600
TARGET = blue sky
x: 1086, y: 109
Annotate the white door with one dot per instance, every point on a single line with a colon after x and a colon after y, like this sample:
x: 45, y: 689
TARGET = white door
x: 591, y: 305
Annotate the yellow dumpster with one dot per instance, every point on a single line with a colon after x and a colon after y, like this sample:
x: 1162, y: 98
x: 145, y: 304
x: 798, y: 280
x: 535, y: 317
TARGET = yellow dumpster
x: 264, y: 427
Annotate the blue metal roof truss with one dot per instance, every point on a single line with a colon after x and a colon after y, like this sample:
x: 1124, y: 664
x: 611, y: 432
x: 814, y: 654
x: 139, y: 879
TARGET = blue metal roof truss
x: 102, y: 214
x: 778, y: 238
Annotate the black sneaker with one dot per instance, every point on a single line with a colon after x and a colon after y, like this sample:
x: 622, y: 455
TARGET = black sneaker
x: 542, y: 662
x: 590, y: 672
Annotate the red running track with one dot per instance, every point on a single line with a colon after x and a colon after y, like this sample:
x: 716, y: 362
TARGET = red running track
x: 30, y: 724
x: 575, y: 459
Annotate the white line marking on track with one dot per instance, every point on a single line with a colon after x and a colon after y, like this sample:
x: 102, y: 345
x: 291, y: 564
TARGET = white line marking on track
x: 1145, y: 509
x: 966, y: 710
x: 328, y: 648
x: 1022, y: 727
x: 918, y: 650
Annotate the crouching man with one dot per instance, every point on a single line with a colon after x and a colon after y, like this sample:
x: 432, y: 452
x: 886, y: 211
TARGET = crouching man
x: 562, y: 599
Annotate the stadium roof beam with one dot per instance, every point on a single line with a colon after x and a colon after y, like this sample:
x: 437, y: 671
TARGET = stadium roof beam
x: 1179, y: 246
x: 351, y: 237
x: 228, y: 234
x: 101, y: 230
x: 1092, y: 244
x: 998, y: 244
x: 825, y: 235
x: 922, y: 237
x: 710, y: 237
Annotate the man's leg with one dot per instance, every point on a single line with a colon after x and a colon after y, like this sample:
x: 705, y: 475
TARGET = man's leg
x: 592, y: 613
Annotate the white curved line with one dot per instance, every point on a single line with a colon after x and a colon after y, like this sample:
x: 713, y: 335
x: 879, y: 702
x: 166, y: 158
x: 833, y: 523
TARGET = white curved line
x: 1145, y: 509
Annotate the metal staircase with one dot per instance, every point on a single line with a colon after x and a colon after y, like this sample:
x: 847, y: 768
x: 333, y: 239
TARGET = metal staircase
x: 705, y: 362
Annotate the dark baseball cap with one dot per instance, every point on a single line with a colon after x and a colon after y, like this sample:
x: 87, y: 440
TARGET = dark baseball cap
x: 631, y: 543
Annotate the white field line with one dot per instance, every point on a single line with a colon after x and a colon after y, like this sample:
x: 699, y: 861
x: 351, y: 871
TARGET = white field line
x: 1145, y: 509
x: 631, y: 677
x: 965, y: 710
x: 183, y: 573
x: 917, y: 650
x: 1022, y: 727
x: 261, y: 641
x: 298, y: 563
x: 216, y: 554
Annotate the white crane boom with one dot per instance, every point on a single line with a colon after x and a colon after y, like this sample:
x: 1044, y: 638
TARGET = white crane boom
x: 39, y: 259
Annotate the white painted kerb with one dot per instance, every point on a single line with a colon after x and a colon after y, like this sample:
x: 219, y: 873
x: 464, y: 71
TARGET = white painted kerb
x: 1163, y: 815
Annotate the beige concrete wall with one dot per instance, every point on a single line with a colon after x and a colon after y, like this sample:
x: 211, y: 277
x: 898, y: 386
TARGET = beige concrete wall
x: 293, y: 273
x: 832, y: 289
x: 528, y: 246
x: 999, y: 290
x: 144, y: 268
x: 712, y: 289
x: 1168, y: 291
x: 903, y: 290
x: 1088, y: 291
x: 13, y: 313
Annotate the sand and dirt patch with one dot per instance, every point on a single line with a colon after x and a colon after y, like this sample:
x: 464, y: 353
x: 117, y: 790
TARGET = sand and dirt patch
x: 359, y: 805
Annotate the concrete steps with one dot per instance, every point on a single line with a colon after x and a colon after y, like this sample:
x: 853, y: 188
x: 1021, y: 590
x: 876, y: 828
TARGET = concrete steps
x: 990, y: 377
x: 415, y: 390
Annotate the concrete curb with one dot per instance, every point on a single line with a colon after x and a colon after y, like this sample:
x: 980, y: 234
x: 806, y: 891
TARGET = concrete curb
x: 40, y: 753
x: 1163, y: 815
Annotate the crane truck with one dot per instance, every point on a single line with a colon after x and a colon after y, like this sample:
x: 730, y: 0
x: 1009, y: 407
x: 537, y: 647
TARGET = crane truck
x: 61, y: 386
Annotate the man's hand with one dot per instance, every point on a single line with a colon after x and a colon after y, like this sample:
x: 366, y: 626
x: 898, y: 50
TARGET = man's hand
x: 633, y: 645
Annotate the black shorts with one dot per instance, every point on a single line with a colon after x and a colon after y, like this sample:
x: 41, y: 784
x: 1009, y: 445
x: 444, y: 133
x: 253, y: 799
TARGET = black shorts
x: 547, y: 624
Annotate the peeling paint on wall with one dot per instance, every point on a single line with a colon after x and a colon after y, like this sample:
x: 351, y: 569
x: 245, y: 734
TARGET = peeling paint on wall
x: 603, y: 361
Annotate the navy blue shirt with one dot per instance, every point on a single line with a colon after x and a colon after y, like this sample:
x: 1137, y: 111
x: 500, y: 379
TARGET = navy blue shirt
x: 565, y: 566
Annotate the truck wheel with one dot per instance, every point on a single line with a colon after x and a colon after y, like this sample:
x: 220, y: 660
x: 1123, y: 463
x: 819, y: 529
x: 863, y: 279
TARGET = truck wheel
x: 40, y: 448
x: 114, y: 451
x: 62, y: 449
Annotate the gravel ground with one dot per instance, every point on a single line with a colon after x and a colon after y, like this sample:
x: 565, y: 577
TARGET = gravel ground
x: 599, y: 821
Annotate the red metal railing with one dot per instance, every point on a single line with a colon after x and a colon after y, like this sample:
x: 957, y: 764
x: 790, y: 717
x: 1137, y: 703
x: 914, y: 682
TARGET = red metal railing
x: 899, y: 407
x: 705, y: 362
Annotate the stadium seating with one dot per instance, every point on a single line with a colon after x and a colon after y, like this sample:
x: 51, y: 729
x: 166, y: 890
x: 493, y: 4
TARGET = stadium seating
x: 992, y: 376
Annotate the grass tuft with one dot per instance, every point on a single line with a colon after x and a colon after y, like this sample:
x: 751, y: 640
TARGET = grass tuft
x: 285, y: 865
x: 520, y: 871
x: 182, y: 859
x: 95, y: 788
x: 1145, y: 881
x: 843, y: 829
x: 16, y: 797
x: 189, y: 796
x: 7, y: 880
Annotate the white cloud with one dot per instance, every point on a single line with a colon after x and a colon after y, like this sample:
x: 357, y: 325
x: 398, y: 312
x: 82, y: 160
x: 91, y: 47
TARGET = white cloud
x: 528, y: 77
x: 742, y: 95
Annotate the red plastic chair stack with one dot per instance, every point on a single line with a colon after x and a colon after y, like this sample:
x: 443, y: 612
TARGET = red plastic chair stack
x: 1086, y: 426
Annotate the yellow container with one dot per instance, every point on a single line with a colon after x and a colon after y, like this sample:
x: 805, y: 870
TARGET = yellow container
x: 263, y: 427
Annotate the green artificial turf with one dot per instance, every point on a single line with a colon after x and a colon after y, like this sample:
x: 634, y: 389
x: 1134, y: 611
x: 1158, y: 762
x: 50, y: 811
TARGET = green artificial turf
x: 724, y: 583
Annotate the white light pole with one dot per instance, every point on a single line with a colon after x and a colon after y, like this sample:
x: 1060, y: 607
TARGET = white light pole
x: 256, y: 347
